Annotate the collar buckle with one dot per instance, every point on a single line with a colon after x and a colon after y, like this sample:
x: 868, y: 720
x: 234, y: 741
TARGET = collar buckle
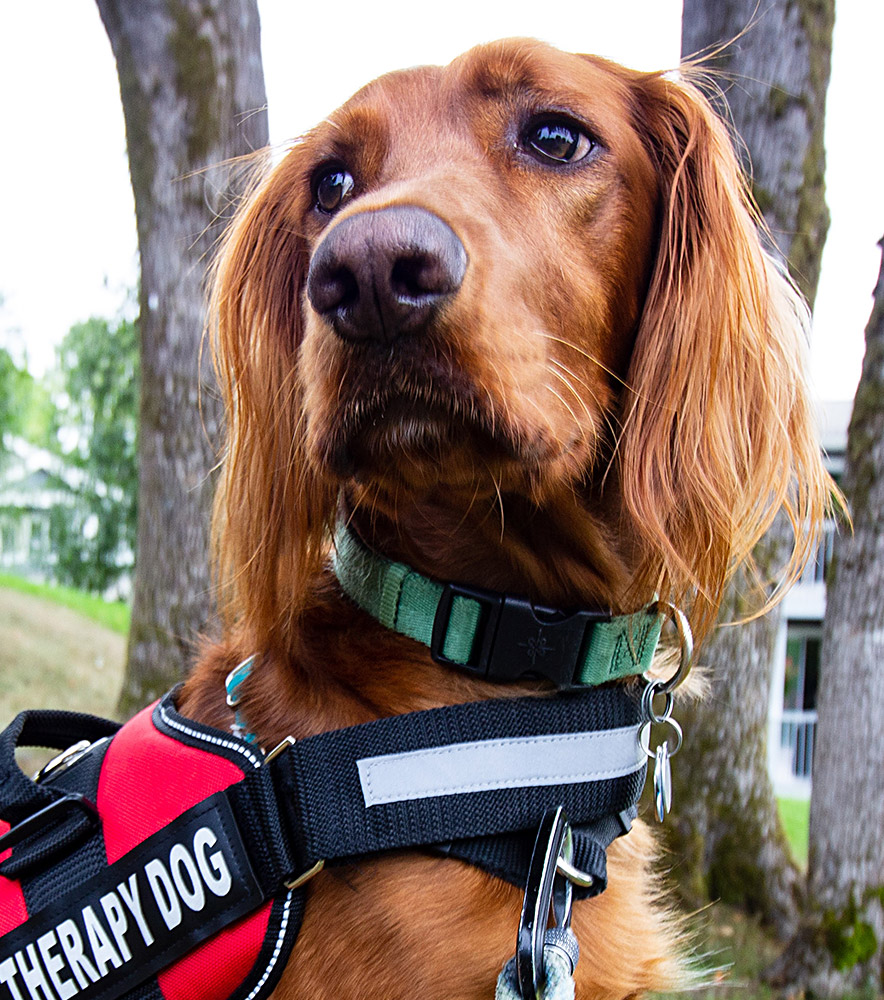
x: 517, y: 639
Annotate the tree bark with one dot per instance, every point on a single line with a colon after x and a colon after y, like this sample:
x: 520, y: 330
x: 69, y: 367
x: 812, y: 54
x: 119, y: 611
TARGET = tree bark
x: 725, y: 825
x: 839, y: 947
x: 192, y: 87
x: 775, y: 74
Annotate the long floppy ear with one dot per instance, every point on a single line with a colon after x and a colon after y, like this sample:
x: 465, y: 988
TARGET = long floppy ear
x: 272, y: 509
x: 718, y: 428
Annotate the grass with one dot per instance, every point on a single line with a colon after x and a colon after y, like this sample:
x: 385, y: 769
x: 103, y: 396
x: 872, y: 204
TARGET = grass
x: 732, y: 952
x: 111, y: 614
x: 795, y: 815
x: 55, y: 657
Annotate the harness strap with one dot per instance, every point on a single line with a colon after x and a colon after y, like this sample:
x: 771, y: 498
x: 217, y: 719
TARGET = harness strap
x: 505, y: 855
x: 496, y: 635
x: 449, y: 774
x: 464, y: 776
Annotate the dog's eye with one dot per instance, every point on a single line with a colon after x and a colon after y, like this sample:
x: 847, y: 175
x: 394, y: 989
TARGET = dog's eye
x: 331, y: 187
x: 559, y: 141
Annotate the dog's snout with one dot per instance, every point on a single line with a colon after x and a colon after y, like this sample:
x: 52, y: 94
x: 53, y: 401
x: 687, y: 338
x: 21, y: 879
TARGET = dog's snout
x: 381, y: 274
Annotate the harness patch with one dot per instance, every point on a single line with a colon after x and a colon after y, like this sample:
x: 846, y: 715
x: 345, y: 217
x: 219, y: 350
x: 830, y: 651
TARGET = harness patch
x: 138, y: 915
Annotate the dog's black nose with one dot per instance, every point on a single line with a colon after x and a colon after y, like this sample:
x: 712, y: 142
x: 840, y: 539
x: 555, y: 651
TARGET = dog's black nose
x: 381, y: 274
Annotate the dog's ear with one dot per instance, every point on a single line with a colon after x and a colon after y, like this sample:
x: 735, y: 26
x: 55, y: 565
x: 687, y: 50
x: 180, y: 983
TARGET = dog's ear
x: 272, y: 509
x: 718, y: 428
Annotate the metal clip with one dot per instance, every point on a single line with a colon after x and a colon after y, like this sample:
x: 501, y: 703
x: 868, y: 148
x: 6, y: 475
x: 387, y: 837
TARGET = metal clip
x: 663, y: 752
x: 547, y: 889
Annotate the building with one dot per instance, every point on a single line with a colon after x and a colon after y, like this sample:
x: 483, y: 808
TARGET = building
x: 33, y: 483
x: 795, y: 675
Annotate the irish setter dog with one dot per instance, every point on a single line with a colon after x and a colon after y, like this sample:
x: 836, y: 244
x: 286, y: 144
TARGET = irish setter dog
x: 512, y: 319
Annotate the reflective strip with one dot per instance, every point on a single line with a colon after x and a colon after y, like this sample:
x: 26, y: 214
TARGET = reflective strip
x: 486, y: 765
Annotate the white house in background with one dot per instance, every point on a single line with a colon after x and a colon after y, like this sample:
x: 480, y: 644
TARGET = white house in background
x: 32, y: 482
x: 792, y: 719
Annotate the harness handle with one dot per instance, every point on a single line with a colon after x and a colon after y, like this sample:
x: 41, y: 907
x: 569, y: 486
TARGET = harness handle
x: 32, y: 808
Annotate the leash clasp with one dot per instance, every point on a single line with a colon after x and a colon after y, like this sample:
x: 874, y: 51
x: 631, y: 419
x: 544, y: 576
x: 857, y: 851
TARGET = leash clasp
x: 548, y: 888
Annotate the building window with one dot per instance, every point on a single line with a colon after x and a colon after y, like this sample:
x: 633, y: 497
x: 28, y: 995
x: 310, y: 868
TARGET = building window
x: 799, y: 696
x: 802, y: 668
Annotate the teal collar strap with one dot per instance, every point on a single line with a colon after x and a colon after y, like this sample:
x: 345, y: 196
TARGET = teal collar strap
x: 493, y: 635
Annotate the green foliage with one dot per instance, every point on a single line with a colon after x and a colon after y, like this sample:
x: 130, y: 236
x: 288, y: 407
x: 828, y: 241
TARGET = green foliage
x: 96, y: 430
x: 16, y: 388
x: 850, y: 939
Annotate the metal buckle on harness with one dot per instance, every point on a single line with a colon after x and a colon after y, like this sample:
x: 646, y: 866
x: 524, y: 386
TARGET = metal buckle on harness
x: 548, y: 888
x: 304, y: 877
x: 517, y: 638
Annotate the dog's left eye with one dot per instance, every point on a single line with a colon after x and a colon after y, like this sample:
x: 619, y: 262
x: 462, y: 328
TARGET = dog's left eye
x: 559, y: 141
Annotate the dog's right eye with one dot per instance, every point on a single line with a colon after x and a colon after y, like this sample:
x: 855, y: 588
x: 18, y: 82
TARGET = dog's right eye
x: 331, y: 187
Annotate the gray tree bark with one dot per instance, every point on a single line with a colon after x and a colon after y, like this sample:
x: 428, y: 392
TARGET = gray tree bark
x: 775, y: 74
x: 725, y: 826
x: 840, y: 947
x: 192, y: 86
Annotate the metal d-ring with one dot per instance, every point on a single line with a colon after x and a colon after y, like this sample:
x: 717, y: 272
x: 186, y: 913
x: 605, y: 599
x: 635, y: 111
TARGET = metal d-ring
x: 686, y: 641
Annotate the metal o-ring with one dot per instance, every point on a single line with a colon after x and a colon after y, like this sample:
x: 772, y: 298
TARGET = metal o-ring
x: 644, y: 738
x: 648, y: 696
x: 685, y: 638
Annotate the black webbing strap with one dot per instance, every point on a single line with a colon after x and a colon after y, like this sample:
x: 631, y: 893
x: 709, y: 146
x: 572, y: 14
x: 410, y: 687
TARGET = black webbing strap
x: 507, y: 856
x: 312, y: 803
x: 61, y: 817
x: 322, y: 800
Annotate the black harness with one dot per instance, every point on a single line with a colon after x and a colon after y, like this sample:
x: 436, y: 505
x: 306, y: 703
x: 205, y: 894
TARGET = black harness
x: 165, y: 853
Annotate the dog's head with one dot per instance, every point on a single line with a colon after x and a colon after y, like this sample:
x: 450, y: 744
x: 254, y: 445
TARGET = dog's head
x: 521, y: 277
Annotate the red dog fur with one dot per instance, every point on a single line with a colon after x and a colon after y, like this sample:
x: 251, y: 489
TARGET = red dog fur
x: 609, y: 406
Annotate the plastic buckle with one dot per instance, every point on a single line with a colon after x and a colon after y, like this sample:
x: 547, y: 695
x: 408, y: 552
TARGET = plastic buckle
x: 517, y: 638
x: 48, y: 814
x: 491, y: 603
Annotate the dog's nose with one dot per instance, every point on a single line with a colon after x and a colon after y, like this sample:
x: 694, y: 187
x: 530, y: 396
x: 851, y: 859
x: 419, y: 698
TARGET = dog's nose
x: 381, y: 274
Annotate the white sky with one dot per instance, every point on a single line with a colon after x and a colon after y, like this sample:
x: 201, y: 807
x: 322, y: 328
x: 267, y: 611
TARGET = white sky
x: 67, y: 229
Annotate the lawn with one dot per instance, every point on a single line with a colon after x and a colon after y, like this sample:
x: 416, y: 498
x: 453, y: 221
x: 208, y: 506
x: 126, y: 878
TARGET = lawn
x: 731, y: 951
x: 112, y: 614
x: 52, y: 656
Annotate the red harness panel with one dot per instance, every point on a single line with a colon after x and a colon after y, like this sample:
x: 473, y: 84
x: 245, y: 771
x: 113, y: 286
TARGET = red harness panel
x: 172, y: 777
x: 156, y: 791
x: 13, y: 911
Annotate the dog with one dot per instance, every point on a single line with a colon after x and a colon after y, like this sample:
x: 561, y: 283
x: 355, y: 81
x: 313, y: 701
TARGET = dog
x: 512, y: 321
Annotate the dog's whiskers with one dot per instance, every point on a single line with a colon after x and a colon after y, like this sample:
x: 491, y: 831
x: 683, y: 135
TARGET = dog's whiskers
x: 607, y: 415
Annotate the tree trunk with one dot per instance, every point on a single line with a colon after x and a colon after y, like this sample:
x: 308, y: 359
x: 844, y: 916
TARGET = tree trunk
x: 839, y: 948
x: 192, y: 87
x: 725, y: 825
x: 775, y: 74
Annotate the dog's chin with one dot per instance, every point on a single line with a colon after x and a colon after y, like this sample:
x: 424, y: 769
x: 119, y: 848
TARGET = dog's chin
x: 422, y: 446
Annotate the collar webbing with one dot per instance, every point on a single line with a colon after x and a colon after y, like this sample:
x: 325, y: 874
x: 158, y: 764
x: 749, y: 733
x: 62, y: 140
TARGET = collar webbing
x: 495, y: 635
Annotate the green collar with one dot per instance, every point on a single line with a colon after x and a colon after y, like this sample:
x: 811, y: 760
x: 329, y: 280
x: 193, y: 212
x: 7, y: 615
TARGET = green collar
x: 494, y: 635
